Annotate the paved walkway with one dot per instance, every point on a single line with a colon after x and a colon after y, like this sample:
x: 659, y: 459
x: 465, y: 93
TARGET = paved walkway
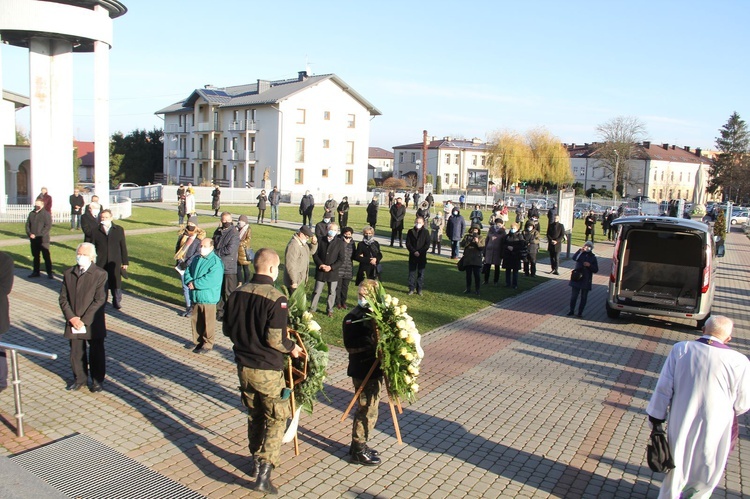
x: 516, y: 400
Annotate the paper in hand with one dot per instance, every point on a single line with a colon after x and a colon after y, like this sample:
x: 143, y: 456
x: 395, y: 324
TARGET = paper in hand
x: 82, y: 330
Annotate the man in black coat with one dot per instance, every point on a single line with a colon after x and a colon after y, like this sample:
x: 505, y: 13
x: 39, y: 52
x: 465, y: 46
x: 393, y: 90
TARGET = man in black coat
x: 6, y: 284
x: 321, y: 228
x: 76, y: 209
x: 361, y: 342
x: 226, y: 245
x: 90, y: 221
x: 82, y: 299
x: 398, y: 212
x: 38, y: 226
x: 372, y: 212
x: 555, y: 238
x: 306, y: 206
x: 328, y: 260
x: 111, y: 255
x: 590, y: 223
x: 417, y: 244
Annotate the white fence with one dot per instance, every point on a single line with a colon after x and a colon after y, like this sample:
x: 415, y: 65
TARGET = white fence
x: 18, y: 213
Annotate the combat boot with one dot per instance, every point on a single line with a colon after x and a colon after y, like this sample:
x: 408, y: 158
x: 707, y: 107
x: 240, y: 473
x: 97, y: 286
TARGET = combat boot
x: 263, y: 483
x: 361, y: 455
x: 253, y: 470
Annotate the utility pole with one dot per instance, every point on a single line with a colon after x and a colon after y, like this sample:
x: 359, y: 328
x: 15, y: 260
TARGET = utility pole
x: 614, y: 181
x: 424, y: 161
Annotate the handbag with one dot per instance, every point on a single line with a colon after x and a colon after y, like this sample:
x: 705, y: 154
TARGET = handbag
x: 658, y: 455
x: 249, y: 254
x: 576, y: 275
x: 461, y: 264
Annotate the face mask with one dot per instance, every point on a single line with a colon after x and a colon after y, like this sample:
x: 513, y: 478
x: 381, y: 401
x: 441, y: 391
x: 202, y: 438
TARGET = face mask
x: 95, y: 213
x: 332, y: 233
x: 455, y: 213
x: 418, y: 226
x: 226, y: 225
x: 475, y: 234
x: 241, y: 224
x: 107, y: 223
x: 205, y: 251
x: 191, y: 228
x: 327, y: 220
x: 348, y: 238
x: 529, y: 228
x: 362, y: 302
x: 512, y: 231
x: 83, y: 261
x: 37, y: 208
x: 368, y: 238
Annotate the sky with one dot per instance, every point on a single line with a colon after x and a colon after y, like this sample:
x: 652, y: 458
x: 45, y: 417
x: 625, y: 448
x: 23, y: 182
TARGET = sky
x: 459, y: 69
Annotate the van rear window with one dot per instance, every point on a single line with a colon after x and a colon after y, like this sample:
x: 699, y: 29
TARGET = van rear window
x: 673, y: 248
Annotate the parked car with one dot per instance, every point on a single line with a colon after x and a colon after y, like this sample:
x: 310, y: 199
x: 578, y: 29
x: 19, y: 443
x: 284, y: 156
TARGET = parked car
x: 540, y: 203
x: 739, y: 217
x: 126, y: 185
x: 663, y: 266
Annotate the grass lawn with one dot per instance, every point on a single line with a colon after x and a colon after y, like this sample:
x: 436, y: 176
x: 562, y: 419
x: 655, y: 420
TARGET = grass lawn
x: 152, y: 274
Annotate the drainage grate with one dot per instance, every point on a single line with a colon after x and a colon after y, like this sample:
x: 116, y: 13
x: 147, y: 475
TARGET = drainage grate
x: 81, y: 467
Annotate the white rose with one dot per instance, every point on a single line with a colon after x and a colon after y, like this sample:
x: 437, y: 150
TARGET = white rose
x: 415, y: 388
x: 404, y: 351
x: 409, y: 338
x: 409, y: 357
x: 407, y: 378
x: 394, y: 301
x: 412, y: 369
x: 307, y: 316
x: 403, y: 334
x: 388, y: 299
x: 401, y: 324
x: 313, y: 326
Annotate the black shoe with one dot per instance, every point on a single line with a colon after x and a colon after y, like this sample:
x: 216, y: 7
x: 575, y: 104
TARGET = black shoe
x: 50, y: 276
x: 368, y: 449
x: 204, y: 351
x: 360, y: 455
x: 419, y: 292
x: 556, y: 272
x: 486, y: 283
x: 198, y: 348
x: 253, y: 471
x: 96, y: 387
x: 75, y: 386
x: 189, y: 345
x: 476, y: 292
x: 219, y: 318
x: 467, y: 291
x: 34, y: 274
x: 263, y: 483
x: 570, y: 313
x: 580, y: 314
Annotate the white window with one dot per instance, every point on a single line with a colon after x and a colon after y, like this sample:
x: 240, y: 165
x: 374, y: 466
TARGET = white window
x: 455, y: 178
x: 299, y: 153
x: 349, y: 177
x: 457, y: 161
x: 413, y: 157
x: 326, y: 144
x: 447, y: 179
x: 326, y: 115
x: 349, y: 153
x: 350, y: 121
x: 301, y: 116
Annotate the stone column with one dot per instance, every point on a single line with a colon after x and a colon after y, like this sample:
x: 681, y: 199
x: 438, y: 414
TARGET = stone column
x: 101, y: 121
x: 3, y: 132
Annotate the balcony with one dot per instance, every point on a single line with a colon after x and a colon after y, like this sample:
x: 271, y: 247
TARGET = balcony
x: 174, y: 128
x: 202, y: 154
x: 207, y: 127
x: 177, y: 154
x: 248, y: 156
x: 243, y: 126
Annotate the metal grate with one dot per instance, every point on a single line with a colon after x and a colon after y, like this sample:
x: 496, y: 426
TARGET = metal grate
x: 81, y: 467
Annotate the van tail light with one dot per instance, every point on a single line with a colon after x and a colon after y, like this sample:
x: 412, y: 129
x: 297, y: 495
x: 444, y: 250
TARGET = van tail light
x: 706, y: 270
x: 615, y: 253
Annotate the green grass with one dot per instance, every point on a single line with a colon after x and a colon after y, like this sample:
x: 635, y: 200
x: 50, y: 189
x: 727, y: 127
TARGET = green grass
x: 152, y: 274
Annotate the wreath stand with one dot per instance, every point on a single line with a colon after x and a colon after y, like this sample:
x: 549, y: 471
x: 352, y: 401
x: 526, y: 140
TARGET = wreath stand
x: 393, y: 405
x: 295, y: 377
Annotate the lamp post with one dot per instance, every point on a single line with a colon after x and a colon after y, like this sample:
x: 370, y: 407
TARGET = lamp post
x: 614, y: 180
x: 418, y: 163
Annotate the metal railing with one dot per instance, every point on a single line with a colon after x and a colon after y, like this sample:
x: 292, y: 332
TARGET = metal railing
x: 14, y: 351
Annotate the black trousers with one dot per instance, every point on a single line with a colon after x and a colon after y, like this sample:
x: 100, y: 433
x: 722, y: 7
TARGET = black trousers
x: 37, y: 249
x: 228, y: 284
x: 342, y: 291
x: 553, y: 258
x: 473, y: 270
x: 397, y: 232
x: 574, y: 298
x: 307, y: 219
x: 94, y: 362
x: 486, y: 271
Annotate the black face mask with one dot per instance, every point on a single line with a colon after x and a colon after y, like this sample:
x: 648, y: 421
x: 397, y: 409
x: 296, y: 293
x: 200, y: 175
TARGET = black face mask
x: 226, y: 225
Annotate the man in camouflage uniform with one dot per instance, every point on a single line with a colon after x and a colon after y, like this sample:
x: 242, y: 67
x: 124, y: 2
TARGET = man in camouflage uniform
x: 361, y: 343
x: 256, y: 318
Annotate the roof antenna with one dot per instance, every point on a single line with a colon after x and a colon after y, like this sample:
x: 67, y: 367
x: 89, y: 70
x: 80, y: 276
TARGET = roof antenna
x: 307, y: 66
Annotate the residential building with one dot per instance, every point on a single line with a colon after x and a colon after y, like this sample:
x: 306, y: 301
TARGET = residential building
x: 379, y: 162
x: 660, y: 172
x: 307, y: 133
x: 85, y: 153
x: 450, y: 160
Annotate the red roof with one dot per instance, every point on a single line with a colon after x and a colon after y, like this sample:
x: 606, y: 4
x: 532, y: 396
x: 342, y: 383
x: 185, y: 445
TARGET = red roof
x: 85, y: 152
x: 379, y: 153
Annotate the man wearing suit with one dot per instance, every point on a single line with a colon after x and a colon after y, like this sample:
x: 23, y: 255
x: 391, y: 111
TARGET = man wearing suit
x: 82, y: 300
x: 328, y: 259
x: 555, y: 238
x: 6, y: 284
x: 38, y: 226
x: 90, y: 221
x: 112, y: 254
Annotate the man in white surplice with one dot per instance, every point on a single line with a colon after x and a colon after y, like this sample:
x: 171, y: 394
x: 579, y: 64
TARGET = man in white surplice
x: 703, y: 385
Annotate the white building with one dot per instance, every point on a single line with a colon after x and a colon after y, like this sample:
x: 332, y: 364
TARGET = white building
x: 450, y: 160
x: 308, y: 133
x: 660, y: 172
x: 17, y: 159
x: 379, y: 162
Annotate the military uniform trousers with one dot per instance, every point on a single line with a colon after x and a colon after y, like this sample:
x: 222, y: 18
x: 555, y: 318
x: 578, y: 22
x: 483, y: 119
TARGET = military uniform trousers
x: 267, y: 412
x: 367, y: 410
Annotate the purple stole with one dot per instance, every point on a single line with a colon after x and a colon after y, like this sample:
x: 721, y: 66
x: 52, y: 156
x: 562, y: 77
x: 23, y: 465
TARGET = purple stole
x: 735, y: 423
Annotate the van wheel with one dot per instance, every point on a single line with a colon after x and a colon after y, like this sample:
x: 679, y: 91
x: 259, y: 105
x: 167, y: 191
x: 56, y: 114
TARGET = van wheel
x: 611, y: 312
x: 699, y: 324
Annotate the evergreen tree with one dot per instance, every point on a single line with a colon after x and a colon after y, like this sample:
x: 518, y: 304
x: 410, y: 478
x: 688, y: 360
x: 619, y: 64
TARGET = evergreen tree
x: 730, y: 170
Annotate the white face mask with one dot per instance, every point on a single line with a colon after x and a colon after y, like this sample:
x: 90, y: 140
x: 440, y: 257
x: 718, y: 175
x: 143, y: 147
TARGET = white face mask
x: 107, y: 223
x: 241, y: 223
x: 205, y: 251
x: 362, y: 302
x: 418, y: 226
x: 95, y: 213
x: 83, y: 261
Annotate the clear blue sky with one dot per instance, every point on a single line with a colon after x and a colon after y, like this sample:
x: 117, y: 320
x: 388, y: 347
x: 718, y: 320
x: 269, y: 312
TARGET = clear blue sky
x: 452, y: 68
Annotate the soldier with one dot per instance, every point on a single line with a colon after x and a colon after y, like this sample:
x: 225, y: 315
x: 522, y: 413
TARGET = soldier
x: 256, y: 322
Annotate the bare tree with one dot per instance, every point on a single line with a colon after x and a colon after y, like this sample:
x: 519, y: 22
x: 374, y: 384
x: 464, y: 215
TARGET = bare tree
x: 619, y: 138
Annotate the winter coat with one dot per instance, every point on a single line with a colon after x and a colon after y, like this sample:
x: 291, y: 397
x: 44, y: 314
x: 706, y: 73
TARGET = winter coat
x: 329, y: 253
x: 555, y: 232
x: 274, y: 197
x: 372, y: 213
x: 297, y: 261
x: 436, y: 225
x: 6, y: 284
x: 532, y: 240
x: 346, y: 271
x: 76, y: 204
x: 215, y: 199
x: 343, y: 213
x: 262, y: 201
x: 190, y: 204
x: 476, y: 217
x: 206, y: 273
x: 83, y: 295
x: 330, y: 205
x: 184, y: 255
x: 226, y: 244
x: 580, y: 258
x: 398, y: 212
x: 514, y: 252
x: 111, y: 252
x: 494, y: 246
x: 89, y: 223
x: 473, y: 250
x: 39, y: 223
x: 246, y: 236
x: 418, y: 240
x: 363, y: 254
x: 306, y: 205
x: 456, y: 227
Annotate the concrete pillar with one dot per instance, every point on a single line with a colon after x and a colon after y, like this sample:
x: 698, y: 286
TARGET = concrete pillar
x: 3, y: 199
x: 101, y: 120
x: 51, y: 77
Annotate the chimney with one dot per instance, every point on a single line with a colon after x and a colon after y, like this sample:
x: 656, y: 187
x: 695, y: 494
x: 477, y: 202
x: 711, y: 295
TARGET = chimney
x: 209, y: 86
x: 646, y: 144
x: 673, y: 147
x: 302, y: 75
x: 573, y: 145
x: 263, y: 85
x: 698, y: 151
x: 665, y: 146
x: 687, y: 148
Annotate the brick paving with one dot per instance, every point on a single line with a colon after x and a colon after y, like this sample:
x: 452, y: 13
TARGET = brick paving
x: 516, y: 400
